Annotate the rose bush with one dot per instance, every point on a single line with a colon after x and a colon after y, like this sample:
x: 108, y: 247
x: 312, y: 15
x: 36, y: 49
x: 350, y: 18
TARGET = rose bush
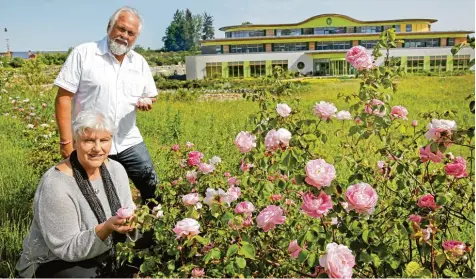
x: 395, y: 214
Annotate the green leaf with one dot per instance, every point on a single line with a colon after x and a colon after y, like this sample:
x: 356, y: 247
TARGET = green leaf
x: 310, y: 236
x: 440, y: 259
x: 413, y: 268
x: 311, y: 260
x: 247, y: 250
x: 303, y: 255
x: 376, y: 260
x: 364, y: 257
x: 215, y: 253
x: 324, y: 138
x: 365, y: 236
x: 240, y: 262
x: 232, y: 250
x: 441, y: 200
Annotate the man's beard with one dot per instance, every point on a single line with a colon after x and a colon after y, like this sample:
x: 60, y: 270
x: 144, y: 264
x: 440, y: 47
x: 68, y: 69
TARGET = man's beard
x: 117, y: 48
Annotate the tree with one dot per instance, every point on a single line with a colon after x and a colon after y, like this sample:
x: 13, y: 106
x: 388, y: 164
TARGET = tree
x: 184, y: 31
x: 208, y: 31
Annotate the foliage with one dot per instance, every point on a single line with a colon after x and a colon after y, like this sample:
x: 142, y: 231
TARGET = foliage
x: 184, y: 32
x: 384, y: 242
x: 208, y: 31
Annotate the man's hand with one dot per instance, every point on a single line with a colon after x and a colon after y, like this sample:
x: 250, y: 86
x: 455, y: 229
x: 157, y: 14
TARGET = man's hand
x: 145, y: 104
x: 66, y: 149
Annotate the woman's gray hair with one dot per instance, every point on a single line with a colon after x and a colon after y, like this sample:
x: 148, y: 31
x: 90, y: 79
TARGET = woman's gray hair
x: 92, y: 120
x: 115, y: 15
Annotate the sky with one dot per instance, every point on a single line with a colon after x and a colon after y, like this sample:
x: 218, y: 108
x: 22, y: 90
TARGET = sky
x: 56, y: 25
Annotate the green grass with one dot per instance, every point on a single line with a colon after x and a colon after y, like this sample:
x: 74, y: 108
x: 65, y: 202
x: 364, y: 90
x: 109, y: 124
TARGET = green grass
x: 212, y: 127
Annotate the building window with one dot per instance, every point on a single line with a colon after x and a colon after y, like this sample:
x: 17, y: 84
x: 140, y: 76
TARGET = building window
x: 247, y: 48
x: 291, y: 47
x: 288, y: 32
x: 369, y: 29
x: 415, y: 64
x: 227, y: 34
x: 340, y: 67
x: 235, y: 69
x: 461, y: 62
x: 450, y: 41
x: 438, y: 63
x: 283, y: 64
x: 350, y: 29
x: 386, y: 27
x: 246, y: 34
x: 257, y: 68
x: 397, y: 28
x: 408, y: 28
x: 308, y: 31
x: 333, y: 45
x: 329, y: 30
x: 219, y: 49
x: 412, y: 43
x: 213, y: 70
x: 369, y: 43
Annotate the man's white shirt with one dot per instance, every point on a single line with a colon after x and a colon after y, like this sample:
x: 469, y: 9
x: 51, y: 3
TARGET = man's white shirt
x: 100, y: 82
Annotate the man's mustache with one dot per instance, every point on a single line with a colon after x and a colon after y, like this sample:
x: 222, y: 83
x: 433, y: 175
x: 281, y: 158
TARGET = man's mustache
x: 122, y: 40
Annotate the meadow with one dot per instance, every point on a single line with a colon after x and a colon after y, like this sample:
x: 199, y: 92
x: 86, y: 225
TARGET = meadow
x: 210, y: 125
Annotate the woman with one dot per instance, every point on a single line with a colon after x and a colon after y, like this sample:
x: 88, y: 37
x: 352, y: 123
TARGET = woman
x: 75, y: 224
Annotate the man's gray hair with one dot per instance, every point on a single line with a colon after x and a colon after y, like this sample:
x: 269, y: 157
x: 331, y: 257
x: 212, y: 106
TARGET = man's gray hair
x: 92, y: 120
x: 115, y: 15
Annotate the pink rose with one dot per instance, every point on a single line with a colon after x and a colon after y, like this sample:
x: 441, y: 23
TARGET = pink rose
x: 246, y: 166
x: 415, y: 218
x: 245, y: 141
x: 194, y: 158
x: 438, y: 128
x: 344, y: 115
x: 248, y: 221
x: 457, y: 168
x: 232, y: 181
x: 189, y: 144
x: 206, y: 168
x: 245, y: 208
x: 175, y: 147
x: 275, y: 139
x: 215, y: 196
x: 324, y: 110
x: 233, y: 193
x: 426, y: 233
x: 399, y: 112
x: 125, y: 212
x: 316, y: 206
x: 359, y: 58
x: 294, y: 249
x: 187, y: 227
x: 191, y: 177
x: 190, y: 199
x: 226, y: 174
x: 283, y: 110
x: 455, y: 247
x: 381, y: 167
x: 427, y: 200
x: 198, y: 272
x: 269, y: 217
x: 319, y: 173
x: 369, y: 107
x: 275, y: 197
x: 414, y: 123
x: 338, y: 261
x: 427, y: 155
x: 44, y: 105
x: 361, y: 197
x: 289, y: 202
x: 358, y: 121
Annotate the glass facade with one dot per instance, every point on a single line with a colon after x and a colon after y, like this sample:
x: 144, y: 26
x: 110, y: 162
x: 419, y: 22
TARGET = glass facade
x: 369, y: 29
x: 329, y: 30
x: 422, y: 43
x: 333, y: 45
x: 415, y: 64
x: 213, y: 70
x: 257, y: 68
x: 235, y: 69
x: 461, y: 62
x: 408, y: 28
x: 450, y: 41
x: 291, y: 47
x: 288, y: 32
x: 245, y: 34
x: 280, y: 63
x: 247, y: 48
x: 438, y: 63
x: 368, y: 43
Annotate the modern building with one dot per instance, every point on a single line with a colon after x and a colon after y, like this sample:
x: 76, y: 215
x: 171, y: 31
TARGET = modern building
x: 318, y: 45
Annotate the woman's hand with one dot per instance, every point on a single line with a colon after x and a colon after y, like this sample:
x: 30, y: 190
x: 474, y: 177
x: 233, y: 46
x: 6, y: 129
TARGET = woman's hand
x: 115, y: 224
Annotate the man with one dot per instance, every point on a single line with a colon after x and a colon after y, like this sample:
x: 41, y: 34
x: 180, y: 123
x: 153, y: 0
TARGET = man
x: 109, y: 76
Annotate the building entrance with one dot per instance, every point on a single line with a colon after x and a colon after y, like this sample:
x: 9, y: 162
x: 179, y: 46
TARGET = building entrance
x: 321, y: 67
